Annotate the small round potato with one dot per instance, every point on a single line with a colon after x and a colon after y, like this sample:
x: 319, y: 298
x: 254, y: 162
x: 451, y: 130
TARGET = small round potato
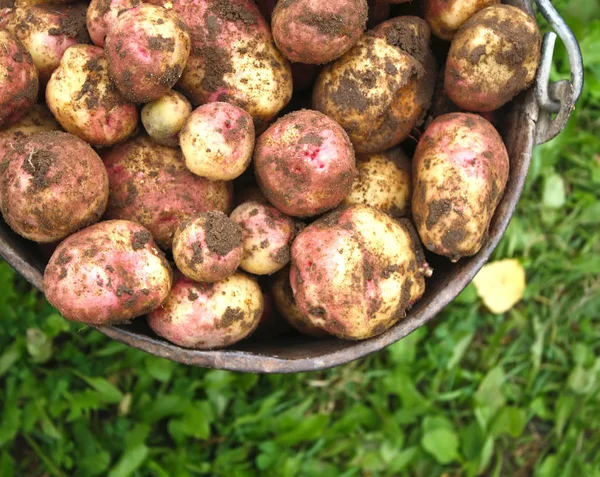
x: 492, y: 58
x: 102, y: 15
x: 209, y: 315
x: 107, y: 274
x: 208, y: 247
x: 165, y: 117
x: 445, y: 17
x: 383, y: 182
x: 82, y: 97
x: 147, y: 50
x: 54, y: 184
x: 267, y: 235
x: 217, y: 141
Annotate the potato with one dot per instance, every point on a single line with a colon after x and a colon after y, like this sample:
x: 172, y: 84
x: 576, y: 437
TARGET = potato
x: 446, y: 17
x: 209, y: 315
x: 493, y: 57
x: 356, y: 272
x: 285, y: 304
x: 82, y: 97
x: 53, y: 185
x: 149, y: 184
x: 208, y: 247
x: 459, y: 171
x: 217, y: 141
x: 102, y: 15
x: 304, y: 164
x: 47, y: 31
x: 317, y: 32
x: 18, y: 80
x: 107, y: 274
x: 147, y: 49
x: 267, y: 235
x: 165, y: 117
x: 383, y: 182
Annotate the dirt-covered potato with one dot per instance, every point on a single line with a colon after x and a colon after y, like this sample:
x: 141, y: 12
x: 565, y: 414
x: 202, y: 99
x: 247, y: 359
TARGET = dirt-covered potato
x: 493, y: 57
x: 217, y: 141
x: 209, y: 315
x: 53, y: 185
x: 445, y: 17
x: 318, y: 32
x: 208, y: 247
x: 285, y: 304
x: 267, y: 235
x: 355, y: 272
x: 107, y: 274
x: 147, y: 49
x: 86, y: 103
x: 460, y: 169
x: 18, y: 80
x: 304, y: 163
x: 150, y: 184
x: 102, y: 15
x: 47, y: 31
x: 383, y: 182
x: 164, y: 118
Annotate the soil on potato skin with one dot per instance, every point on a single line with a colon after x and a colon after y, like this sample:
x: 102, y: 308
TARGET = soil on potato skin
x: 399, y: 32
x: 71, y: 22
x: 222, y: 234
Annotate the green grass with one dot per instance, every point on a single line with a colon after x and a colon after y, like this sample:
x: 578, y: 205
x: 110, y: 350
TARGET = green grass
x: 476, y: 394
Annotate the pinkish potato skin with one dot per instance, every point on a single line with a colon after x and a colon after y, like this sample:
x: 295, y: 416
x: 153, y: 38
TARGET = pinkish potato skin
x: 107, y: 274
x: 460, y: 170
x: 149, y: 184
x: 54, y: 184
x: 208, y: 247
x: 18, y: 80
x: 304, y: 163
x: 445, y: 17
x: 147, y: 50
x: 209, y: 315
x: 317, y: 32
x: 102, y: 14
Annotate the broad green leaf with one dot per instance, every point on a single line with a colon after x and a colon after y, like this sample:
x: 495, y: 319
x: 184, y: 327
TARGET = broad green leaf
x: 402, y: 459
x: 582, y: 380
x: 160, y: 369
x: 39, y: 345
x: 563, y: 410
x: 9, y: 358
x: 554, y: 196
x: 431, y: 423
x: 109, y: 392
x: 7, y: 465
x: 442, y: 444
x: 130, y: 461
x: 459, y: 350
x: 549, y: 467
x: 309, y: 428
x: 510, y: 420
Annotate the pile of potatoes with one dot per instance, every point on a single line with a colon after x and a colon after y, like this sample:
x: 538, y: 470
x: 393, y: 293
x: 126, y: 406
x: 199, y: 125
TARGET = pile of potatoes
x: 271, y: 172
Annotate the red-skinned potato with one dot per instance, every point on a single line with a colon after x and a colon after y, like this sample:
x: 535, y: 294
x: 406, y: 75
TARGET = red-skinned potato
x: 84, y: 100
x: 101, y: 16
x: 209, y: 315
x: 53, y: 185
x: 493, y: 57
x: 317, y: 32
x: 460, y: 170
x: 18, y: 80
x: 147, y: 50
x: 107, y: 274
x: 150, y: 184
x: 355, y: 272
x: 304, y: 163
x: 164, y: 118
x: 445, y: 17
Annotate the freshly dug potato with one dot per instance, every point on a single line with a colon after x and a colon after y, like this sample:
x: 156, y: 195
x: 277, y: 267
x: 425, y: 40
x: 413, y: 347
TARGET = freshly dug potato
x: 267, y: 235
x: 82, y: 97
x: 208, y: 247
x: 233, y: 58
x: 357, y: 271
x: 209, y: 315
x: 446, y: 17
x: 147, y: 49
x: 18, y: 80
x: 383, y: 182
x: 460, y: 169
x: 47, y: 31
x: 304, y: 164
x: 285, y: 304
x: 317, y: 32
x: 102, y: 15
x: 165, y: 117
x: 149, y: 184
x: 217, y: 141
x: 107, y: 274
x: 493, y: 57
x: 53, y: 185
